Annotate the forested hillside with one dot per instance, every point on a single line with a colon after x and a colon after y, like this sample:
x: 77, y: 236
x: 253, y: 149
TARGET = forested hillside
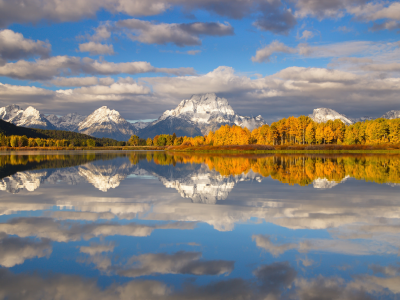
x: 69, y: 137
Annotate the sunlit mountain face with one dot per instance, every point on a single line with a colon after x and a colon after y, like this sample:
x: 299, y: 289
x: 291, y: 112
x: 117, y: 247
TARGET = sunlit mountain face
x: 156, y: 225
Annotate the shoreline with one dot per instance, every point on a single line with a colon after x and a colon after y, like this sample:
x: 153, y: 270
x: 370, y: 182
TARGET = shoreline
x: 230, y: 149
x: 120, y: 148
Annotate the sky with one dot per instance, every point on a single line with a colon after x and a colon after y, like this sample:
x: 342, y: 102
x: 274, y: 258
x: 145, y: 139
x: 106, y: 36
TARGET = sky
x: 267, y: 57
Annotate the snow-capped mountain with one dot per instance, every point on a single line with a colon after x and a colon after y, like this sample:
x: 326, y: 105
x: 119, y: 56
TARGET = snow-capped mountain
x: 362, y: 119
x: 69, y: 122
x: 205, y: 186
x: 393, y: 114
x: 140, y: 125
x: 321, y: 115
x: 324, y: 183
x: 104, y: 122
x: 29, y: 117
x: 200, y: 113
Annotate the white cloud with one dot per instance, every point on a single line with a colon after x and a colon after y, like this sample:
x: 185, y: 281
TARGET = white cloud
x: 324, y: 8
x: 65, y: 232
x: 96, y: 48
x: 373, y: 51
x: 265, y: 53
x: 178, y: 263
x: 81, y: 81
x: 320, y: 245
x: 46, y: 69
x: 360, y: 9
x: 307, y: 34
x: 14, y: 251
x: 94, y: 249
x: 115, y: 92
x: 376, y: 11
x: 13, y: 45
x: 180, y: 34
x: 274, y: 16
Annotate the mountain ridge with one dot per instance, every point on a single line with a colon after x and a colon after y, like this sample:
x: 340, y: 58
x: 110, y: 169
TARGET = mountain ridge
x: 200, y: 114
x: 192, y: 117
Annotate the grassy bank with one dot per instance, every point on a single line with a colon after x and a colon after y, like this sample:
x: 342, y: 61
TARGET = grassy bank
x: 147, y: 148
x: 383, y: 148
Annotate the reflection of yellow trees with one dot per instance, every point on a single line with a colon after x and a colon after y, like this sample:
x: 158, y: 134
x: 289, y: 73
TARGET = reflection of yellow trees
x: 290, y: 169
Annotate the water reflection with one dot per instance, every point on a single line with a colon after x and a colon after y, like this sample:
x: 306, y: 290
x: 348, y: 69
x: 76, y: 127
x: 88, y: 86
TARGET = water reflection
x: 154, y: 225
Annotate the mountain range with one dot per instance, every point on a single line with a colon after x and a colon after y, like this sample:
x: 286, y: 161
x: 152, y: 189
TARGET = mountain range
x: 192, y: 117
x: 197, y: 116
x: 320, y: 115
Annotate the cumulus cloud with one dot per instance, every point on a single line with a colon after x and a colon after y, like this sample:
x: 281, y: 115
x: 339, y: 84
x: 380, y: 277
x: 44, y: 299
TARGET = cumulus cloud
x: 273, y: 281
x: 24, y: 11
x: 266, y: 243
x: 183, y: 34
x: 13, y: 45
x: 14, y: 251
x: 96, y: 48
x: 265, y: 53
x: 94, y: 249
x: 372, y: 11
x: 306, y: 34
x: 275, y: 18
x: 325, y: 8
x: 83, y: 216
x: 335, y: 50
x: 331, y: 288
x: 47, y: 69
x: 82, y: 81
x: 376, y: 11
x: 294, y: 90
x: 317, y: 245
x: 117, y: 88
x: 275, y: 276
x: 178, y: 263
x: 64, y: 232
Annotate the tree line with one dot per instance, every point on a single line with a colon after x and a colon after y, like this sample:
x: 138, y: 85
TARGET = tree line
x: 24, y: 141
x: 300, y: 131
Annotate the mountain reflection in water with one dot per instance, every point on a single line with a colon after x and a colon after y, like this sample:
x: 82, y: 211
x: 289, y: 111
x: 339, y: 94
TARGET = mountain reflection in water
x: 156, y: 225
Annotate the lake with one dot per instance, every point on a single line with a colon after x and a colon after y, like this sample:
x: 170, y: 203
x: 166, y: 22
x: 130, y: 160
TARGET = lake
x: 153, y: 225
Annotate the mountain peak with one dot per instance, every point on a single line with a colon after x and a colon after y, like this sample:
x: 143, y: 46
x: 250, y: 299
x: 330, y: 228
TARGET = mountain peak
x: 202, y: 112
x: 104, y: 122
x: 393, y: 114
x: 324, y: 114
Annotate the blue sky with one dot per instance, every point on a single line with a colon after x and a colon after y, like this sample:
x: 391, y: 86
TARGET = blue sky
x: 270, y: 57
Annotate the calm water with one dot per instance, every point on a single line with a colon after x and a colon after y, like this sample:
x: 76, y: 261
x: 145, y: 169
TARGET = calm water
x: 147, y: 225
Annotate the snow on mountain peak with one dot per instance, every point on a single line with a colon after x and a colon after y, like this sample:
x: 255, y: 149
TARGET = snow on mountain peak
x: 199, y: 108
x: 393, y: 114
x: 104, y: 122
x: 69, y: 122
x: 208, y: 112
x: 321, y: 115
x: 29, y: 117
x: 9, y: 112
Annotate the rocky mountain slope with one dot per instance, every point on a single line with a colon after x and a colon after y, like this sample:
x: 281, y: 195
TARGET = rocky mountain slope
x: 30, y: 117
x: 195, y: 116
x: 104, y: 122
x: 393, y: 114
x: 69, y: 122
x: 199, y: 114
x: 321, y: 115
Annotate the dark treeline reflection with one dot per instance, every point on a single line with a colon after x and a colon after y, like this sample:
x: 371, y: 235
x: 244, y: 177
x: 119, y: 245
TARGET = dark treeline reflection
x: 291, y: 169
x: 10, y: 164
